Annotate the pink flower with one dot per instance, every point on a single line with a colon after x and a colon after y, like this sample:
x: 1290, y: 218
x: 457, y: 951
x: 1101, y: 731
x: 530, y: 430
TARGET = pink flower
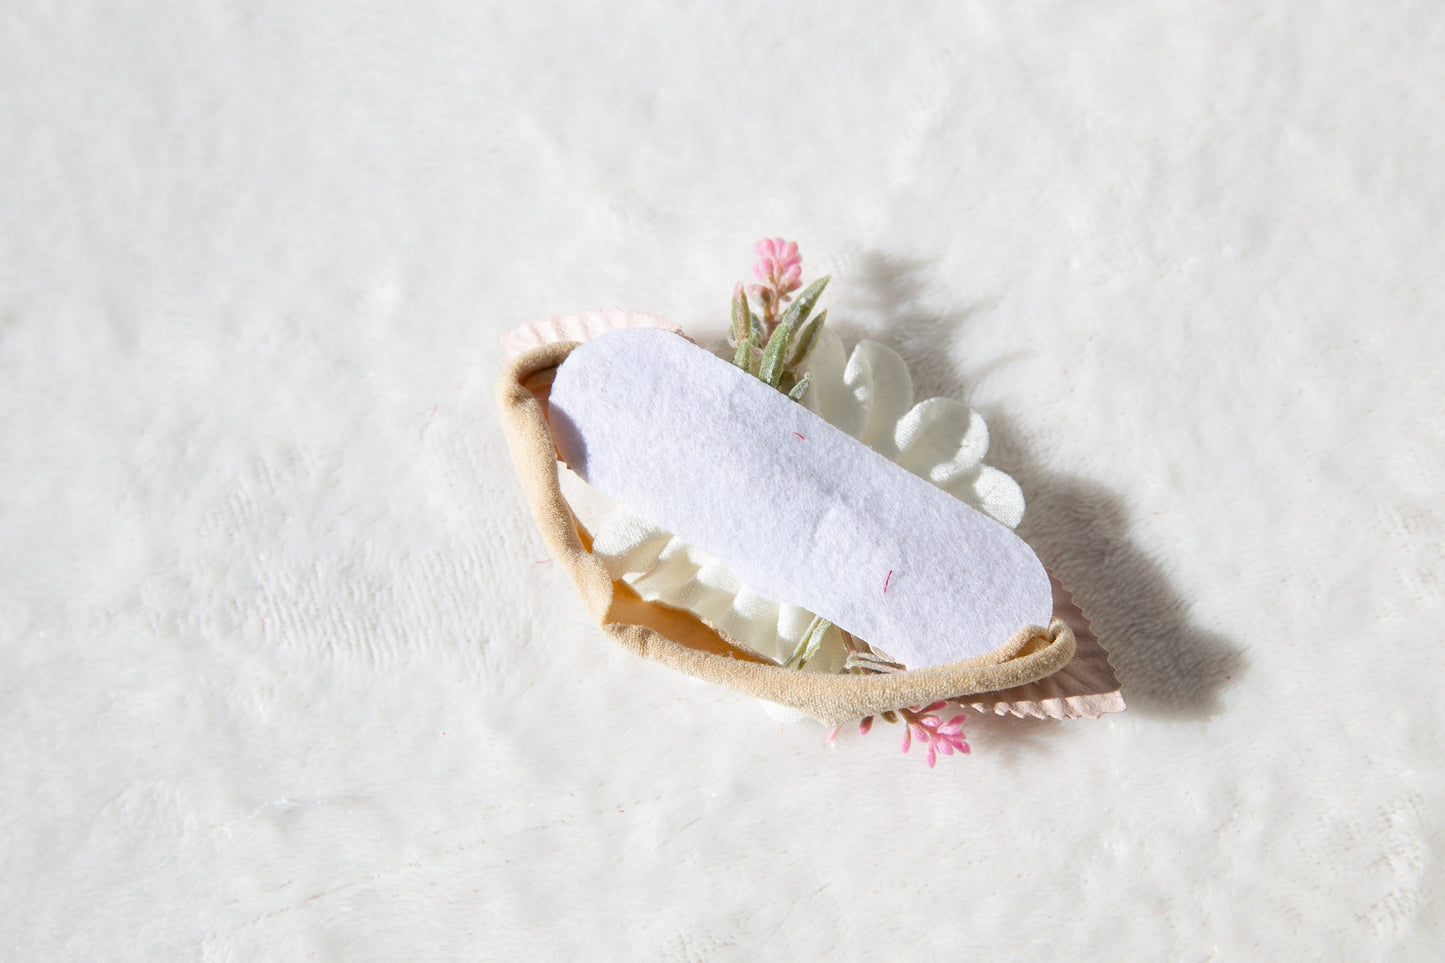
x: 922, y: 724
x: 944, y: 737
x: 779, y: 267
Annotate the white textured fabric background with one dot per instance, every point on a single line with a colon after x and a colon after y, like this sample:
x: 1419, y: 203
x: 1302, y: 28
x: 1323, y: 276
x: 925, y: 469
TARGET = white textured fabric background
x: 282, y: 675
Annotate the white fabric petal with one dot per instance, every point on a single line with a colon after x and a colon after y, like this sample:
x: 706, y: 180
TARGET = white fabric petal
x: 672, y: 578
x: 941, y: 440
x: 882, y: 388
x: 829, y: 397
x: 628, y: 543
x: 751, y: 606
x: 993, y: 493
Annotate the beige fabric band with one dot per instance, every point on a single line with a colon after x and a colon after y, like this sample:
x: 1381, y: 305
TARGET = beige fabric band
x: 683, y: 641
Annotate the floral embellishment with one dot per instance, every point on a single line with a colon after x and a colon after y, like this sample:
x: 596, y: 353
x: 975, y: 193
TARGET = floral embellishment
x: 779, y: 267
x: 924, y: 726
x: 868, y: 394
x: 775, y: 336
x: 772, y: 345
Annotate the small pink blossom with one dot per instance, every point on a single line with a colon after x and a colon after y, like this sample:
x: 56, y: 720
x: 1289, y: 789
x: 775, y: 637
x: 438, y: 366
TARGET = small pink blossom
x: 944, y: 737
x: 759, y: 309
x: 779, y: 267
x: 923, y: 725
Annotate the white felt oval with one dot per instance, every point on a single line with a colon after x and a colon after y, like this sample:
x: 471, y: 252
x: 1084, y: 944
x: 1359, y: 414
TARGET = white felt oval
x: 799, y: 510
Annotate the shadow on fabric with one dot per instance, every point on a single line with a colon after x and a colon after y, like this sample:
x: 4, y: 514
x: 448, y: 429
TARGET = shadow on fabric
x: 1167, y: 663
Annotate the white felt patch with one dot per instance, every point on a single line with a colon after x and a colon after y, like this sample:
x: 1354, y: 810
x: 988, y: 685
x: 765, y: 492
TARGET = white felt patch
x: 801, y: 511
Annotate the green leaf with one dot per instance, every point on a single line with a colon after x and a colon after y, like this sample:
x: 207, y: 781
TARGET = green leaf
x: 755, y: 329
x: 808, y: 337
x: 738, y: 331
x: 743, y: 355
x: 809, y: 644
x: 799, y: 310
x: 774, y: 355
x: 800, y: 390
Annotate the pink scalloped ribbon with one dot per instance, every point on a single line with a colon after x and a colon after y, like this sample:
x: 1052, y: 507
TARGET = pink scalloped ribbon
x: 577, y: 327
